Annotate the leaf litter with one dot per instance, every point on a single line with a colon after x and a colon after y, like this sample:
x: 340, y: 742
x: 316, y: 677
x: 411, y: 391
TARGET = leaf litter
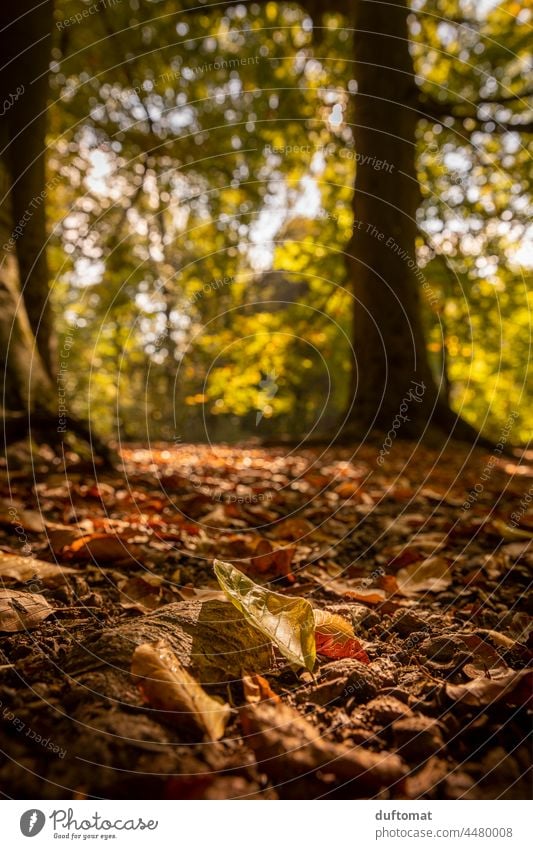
x: 363, y: 635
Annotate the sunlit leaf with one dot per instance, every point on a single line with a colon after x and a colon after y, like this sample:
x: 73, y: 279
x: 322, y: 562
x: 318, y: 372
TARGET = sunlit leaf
x: 288, y: 622
x: 167, y: 686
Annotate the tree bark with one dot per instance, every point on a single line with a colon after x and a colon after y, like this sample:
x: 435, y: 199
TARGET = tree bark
x: 30, y: 398
x: 27, y: 41
x: 388, y: 339
x: 26, y: 382
x: 393, y: 384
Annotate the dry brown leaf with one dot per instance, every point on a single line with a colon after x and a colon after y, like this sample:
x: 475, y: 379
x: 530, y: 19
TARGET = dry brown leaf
x: 26, y: 569
x: 514, y: 688
x: 22, y: 611
x: 388, y: 583
x: 374, y: 596
x: 60, y: 537
x: 13, y: 513
x: 277, y: 561
x: 431, y: 575
x: 292, y: 529
x: 167, y: 686
x: 485, y: 660
x: 196, y: 594
x: 287, y: 746
x: 141, y: 592
x: 350, y: 489
x: 500, y: 639
x: 441, y: 497
x: 499, y: 528
x: 100, y: 548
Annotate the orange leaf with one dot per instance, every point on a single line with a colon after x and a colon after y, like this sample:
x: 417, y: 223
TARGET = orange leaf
x: 334, y: 637
x: 367, y: 596
x: 349, y: 489
x: 277, y: 561
x: 388, y: 583
x: 257, y: 689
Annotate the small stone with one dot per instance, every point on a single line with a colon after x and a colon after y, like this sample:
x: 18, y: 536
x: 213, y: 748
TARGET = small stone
x: 442, y: 649
x: 386, y: 709
x: 404, y: 622
x: 417, y: 737
x: 397, y: 693
x: 341, y: 680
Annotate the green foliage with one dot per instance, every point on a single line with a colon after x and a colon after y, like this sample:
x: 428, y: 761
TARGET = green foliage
x: 200, y: 224
x: 475, y: 214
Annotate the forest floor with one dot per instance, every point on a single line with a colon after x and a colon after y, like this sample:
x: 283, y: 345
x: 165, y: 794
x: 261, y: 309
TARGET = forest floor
x: 109, y: 603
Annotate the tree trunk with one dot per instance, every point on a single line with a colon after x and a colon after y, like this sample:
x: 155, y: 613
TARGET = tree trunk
x: 393, y: 385
x: 31, y: 400
x: 27, y: 43
x: 25, y: 378
x: 389, y: 347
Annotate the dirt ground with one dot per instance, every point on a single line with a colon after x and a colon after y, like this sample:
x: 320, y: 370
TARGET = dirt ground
x: 426, y: 556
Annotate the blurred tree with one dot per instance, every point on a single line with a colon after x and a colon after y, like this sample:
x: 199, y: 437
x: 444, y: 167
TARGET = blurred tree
x: 388, y: 284
x: 27, y: 42
x: 27, y: 332
x: 224, y: 87
x: 191, y: 152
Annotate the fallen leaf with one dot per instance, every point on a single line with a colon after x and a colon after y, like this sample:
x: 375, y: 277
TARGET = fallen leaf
x: 22, y: 611
x: 349, y: 489
x: 440, y: 497
x: 292, y: 529
x: 499, y: 528
x: 374, y: 596
x: 141, y: 592
x: 188, y: 593
x: 335, y: 638
x: 213, y: 640
x: 388, y: 583
x: 100, y: 548
x: 61, y: 537
x: 257, y: 689
x: 485, y: 659
x: 398, y: 556
x: 26, y: 570
x: 13, y: 513
x: 277, y: 561
x: 431, y: 575
x: 287, y: 746
x: 287, y: 622
x: 514, y: 688
x: 500, y: 639
x: 168, y: 687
